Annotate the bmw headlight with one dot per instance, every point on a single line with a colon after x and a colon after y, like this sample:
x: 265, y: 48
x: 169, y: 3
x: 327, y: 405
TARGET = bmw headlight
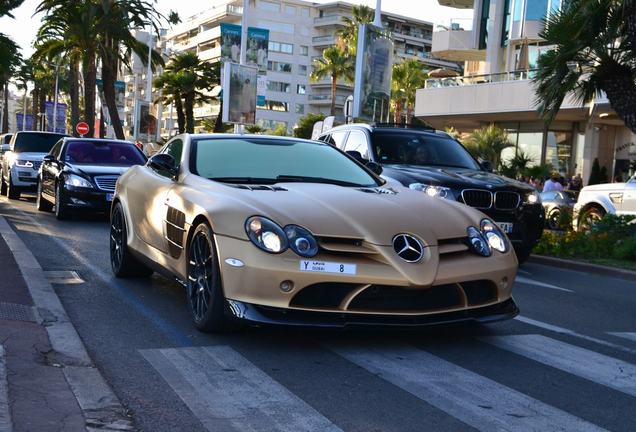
x: 492, y: 233
x: 533, y: 198
x: 477, y: 243
x: 23, y: 163
x: 266, y: 235
x: 301, y: 241
x: 432, y: 190
x: 77, y: 181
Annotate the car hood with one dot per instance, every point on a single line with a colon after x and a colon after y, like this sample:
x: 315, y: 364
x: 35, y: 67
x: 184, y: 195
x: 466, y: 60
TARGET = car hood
x: 375, y: 215
x: 451, y: 177
x: 96, y: 170
x: 604, y: 187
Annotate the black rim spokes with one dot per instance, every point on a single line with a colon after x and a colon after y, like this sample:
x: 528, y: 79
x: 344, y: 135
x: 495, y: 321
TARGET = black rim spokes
x: 200, y: 275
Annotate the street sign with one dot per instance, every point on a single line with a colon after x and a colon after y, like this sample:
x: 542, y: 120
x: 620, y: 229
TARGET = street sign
x: 82, y: 128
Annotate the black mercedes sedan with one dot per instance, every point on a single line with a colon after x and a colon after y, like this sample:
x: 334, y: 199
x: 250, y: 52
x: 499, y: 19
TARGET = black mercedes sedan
x: 433, y: 162
x: 79, y: 174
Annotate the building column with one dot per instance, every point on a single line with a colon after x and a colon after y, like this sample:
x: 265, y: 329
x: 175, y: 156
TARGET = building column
x: 494, y: 51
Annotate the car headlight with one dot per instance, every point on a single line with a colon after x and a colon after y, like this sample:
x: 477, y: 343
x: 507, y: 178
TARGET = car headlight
x: 432, y: 190
x: 266, y: 235
x: 477, y: 243
x: 533, y: 198
x: 492, y: 233
x: 23, y: 163
x: 77, y: 181
x: 301, y: 241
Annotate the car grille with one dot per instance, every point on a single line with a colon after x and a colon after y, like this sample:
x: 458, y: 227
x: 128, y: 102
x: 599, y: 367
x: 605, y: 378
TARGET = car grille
x: 481, y: 199
x: 507, y: 200
x: 106, y: 183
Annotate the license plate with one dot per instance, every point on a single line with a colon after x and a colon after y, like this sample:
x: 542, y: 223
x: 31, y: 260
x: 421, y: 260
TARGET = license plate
x: 109, y: 197
x: 505, y: 226
x: 327, y: 267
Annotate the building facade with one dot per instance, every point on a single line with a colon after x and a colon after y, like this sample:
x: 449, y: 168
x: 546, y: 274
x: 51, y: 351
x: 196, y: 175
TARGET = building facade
x: 299, y: 31
x: 500, y: 48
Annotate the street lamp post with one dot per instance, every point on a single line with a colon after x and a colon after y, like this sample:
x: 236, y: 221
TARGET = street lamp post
x: 57, y: 80
x: 378, y: 14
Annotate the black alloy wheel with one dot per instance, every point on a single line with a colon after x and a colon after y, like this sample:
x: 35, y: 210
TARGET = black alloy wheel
x: 41, y: 203
x: 589, y: 218
x: 122, y: 262
x: 206, y: 300
x: 61, y: 211
x: 553, y: 219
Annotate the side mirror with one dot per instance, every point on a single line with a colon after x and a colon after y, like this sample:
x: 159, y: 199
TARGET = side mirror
x: 356, y: 155
x: 486, y: 165
x: 49, y: 158
x: 375, y: 167
x: 4, y: 148
x: 163, y: 162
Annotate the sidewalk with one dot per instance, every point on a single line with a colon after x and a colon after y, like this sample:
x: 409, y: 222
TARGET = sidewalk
x: 47, y: 380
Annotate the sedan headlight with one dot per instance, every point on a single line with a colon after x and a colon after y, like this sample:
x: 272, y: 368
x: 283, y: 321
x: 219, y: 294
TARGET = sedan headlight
x: 492, y: 233
x: 533, y: 198
x: 432, y: 190
x: 23, y: 163
x: 477, y: 243
x: 77, y: 181
x: 301, y: 241
x: 266, y: 235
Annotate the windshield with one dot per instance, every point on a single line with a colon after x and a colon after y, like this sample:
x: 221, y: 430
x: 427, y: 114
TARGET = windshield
x: 413, y: 148
x: 261, y: 160
x: 36, y: 142
x: 103, y: 153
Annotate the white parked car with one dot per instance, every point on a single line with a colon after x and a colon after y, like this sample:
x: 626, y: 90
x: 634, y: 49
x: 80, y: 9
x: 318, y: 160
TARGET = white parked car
x: 598, y: 200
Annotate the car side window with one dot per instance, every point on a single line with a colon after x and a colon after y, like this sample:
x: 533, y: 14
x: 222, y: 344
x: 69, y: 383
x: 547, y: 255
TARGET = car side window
x: 357, y: 141
x: 174, y: 148
x: 338, y: 138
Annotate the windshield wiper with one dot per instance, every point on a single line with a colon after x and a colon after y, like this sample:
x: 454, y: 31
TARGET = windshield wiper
x: 304, y: 179
x: 244, y: 180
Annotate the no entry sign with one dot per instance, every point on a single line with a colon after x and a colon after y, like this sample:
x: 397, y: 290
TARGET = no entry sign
x: 82, y: 128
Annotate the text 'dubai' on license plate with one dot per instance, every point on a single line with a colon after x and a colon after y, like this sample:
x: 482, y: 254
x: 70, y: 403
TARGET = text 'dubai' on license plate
x: 505, y: 226
x: 327, y: 267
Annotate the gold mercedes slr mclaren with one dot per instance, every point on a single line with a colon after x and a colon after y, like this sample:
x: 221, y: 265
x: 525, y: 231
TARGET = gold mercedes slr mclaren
x: 271, y: 230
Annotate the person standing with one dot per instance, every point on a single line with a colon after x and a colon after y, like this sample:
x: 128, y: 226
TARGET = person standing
x: 553, y: 183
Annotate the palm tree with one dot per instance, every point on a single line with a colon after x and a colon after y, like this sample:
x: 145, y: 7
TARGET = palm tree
x: 487, y: 143
x: 595, y: 51
x: 185, y: 82
x: 349, y: 33
x: 408, y: 76
x: 10, y: 60
x: 335, y: 63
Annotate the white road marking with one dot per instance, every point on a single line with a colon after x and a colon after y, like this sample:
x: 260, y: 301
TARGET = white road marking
x: 528, y: 281
x: 561, y: 330
x: 599, y: 368
x: 5, y: 412
x: 225, y: 391
x: 624, y: 335
x: 525, y: 272
x: 471, y: 398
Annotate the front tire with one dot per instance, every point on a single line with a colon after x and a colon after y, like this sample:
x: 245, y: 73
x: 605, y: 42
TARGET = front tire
x: 206, y: 300
x: 61, y: 210
x: 12, y: 191
x: 589, y: 218
x: 553, y: 218
x: 122, y: 262
x: 41, y: 203
x: 523, y: 253
x: 3, y: 186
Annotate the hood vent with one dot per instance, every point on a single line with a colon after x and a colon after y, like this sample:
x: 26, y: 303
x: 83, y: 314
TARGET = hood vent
x: 379, y: 191
x: 258, y: 187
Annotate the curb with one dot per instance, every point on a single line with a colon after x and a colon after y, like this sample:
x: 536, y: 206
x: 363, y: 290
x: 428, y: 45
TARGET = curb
x: 584, y: 267
x: 101, y: 408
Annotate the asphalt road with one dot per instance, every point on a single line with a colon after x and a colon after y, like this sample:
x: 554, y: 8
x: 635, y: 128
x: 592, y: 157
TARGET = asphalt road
x: 567, y: 363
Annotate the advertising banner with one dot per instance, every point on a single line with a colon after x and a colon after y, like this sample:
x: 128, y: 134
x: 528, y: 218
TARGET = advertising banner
x: 374, y: 61
x: 60, y: 123
x: 239, y: 94
x: 261, y: 90
x: 257, y: 46
x: 146, y: 122
x: 19, y: 120
x: 230, y: 42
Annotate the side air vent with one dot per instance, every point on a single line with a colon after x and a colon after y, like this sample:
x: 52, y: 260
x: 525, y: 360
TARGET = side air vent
x: 379, y: 191
x: 258, y: 187
x: 175, y: 230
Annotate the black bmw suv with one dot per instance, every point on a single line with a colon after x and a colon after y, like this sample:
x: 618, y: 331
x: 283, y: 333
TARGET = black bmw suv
x: 433, y: 162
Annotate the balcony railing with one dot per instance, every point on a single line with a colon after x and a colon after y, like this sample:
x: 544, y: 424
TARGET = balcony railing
x: 480, y: 79
x: 457, y: 24
x: 327, y: 38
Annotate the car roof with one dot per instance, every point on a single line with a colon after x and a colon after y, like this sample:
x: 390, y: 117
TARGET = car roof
x: 67, y: 139
x: 396, y: 128
x: 235, y: 136
x: 41, y: 132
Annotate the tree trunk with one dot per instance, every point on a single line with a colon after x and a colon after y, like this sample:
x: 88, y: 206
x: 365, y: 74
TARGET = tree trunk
x: 43, y: 110
x: 5, y: 117
x: 90, y: 81
x: 73, y: 82
x: 109, y: 77
x: 181, y: 121
x: 621, y: 91
x: 630, y: 22
x: 334, y: 80
x: 35, y: 102
x: 218, y: 125
x: 398, y: 111
x: 189, y: 112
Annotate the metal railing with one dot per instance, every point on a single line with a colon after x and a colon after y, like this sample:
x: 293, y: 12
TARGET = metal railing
x: 327, y: 38
x: 457, y: 24
x: 480, y: 79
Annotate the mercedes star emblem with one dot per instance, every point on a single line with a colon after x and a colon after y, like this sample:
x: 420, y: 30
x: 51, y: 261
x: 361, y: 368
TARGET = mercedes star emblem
x: 408, y: 248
